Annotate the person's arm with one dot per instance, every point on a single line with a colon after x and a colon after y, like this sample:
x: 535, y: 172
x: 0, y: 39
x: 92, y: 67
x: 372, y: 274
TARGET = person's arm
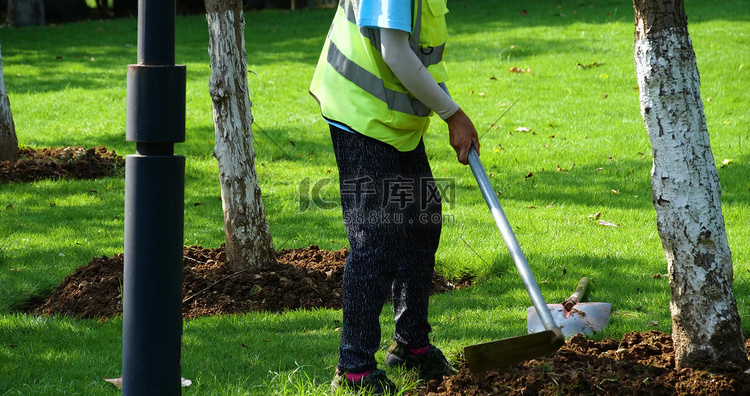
x: 414, y: 76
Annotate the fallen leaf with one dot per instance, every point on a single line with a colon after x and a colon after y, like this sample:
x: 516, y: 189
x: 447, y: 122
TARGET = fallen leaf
x: 725, y: 163
x: 613, y: 191
x: 607, y: 224
x: 596, y: 216
x: 653, y: 323
x: 115, y: 381
x: 523, y: 129
x: 515, y: 69
x: 529, y: 175
x: 524, y: 12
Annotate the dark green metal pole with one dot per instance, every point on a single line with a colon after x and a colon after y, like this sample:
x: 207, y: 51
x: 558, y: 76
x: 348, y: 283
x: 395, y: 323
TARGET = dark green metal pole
x: 154, y: 202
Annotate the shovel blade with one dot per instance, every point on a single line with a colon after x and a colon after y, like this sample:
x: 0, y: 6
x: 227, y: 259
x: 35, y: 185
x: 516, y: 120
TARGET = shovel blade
x: 586, y: 318
x: 503, y: 353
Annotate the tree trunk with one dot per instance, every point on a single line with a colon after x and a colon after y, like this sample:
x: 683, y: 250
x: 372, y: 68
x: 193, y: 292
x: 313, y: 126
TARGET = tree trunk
x: 8, y: 140
x: 25, y: 12
x: 248, y: 241
x: 686, y: 190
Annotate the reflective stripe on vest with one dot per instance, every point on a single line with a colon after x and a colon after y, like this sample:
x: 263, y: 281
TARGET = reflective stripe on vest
x: 373, y: 85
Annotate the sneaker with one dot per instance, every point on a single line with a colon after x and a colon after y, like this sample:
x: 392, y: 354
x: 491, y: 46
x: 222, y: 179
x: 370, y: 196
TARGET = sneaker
x: 375, y: 383
x: 431, y: 365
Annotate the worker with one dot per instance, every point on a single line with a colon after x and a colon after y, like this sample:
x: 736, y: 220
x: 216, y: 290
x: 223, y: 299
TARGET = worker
x: 380, y: 77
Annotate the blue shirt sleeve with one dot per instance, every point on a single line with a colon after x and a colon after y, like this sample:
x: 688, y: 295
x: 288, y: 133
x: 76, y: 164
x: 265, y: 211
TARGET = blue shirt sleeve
x: 391, y: 14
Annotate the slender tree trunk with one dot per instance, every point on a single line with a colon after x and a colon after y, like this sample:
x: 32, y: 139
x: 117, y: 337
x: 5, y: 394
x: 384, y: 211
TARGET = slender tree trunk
x: 25, y: 12
x: 248, y: 241
x: 686, y: 190
x: 8, y: 140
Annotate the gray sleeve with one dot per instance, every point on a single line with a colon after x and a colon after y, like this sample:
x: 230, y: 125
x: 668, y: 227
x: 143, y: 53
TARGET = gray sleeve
x: 413, y: 74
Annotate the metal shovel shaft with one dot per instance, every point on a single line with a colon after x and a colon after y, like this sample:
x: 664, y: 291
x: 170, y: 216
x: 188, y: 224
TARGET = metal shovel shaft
x: 529, y: 281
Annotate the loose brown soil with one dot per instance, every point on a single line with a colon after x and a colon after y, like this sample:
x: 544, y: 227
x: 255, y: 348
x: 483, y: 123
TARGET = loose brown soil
x: 300, y: 279
x: 641, y: 363
x: 61, y: 163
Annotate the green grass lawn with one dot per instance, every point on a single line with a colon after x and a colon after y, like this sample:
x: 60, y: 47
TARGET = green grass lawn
x: 585, y: 151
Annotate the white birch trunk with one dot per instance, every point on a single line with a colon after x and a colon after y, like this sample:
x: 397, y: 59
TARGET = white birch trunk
x: 248, y: 240
x: 8, y: 139
x: 686, y: 191
x: 25, y: 12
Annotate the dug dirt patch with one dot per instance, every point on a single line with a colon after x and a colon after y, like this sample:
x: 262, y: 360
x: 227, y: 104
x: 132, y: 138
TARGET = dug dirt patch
x: 641, y: 363
x: 61, y: 163
x: 300, y: 279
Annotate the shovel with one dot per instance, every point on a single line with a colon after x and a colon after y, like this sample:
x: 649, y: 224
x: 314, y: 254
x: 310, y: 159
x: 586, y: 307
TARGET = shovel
x: 573, y: 316
x: 509, y: 351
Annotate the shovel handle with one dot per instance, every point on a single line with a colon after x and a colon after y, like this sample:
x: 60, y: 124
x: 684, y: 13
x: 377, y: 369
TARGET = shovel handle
x: 578, y: 295
x: 532, y: 287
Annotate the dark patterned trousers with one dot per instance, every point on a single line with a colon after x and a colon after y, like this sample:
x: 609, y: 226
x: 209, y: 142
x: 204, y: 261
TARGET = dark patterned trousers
x: 392, y: 215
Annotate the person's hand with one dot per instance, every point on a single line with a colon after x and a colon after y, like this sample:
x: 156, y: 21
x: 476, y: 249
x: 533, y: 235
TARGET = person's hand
x: 462, y: 135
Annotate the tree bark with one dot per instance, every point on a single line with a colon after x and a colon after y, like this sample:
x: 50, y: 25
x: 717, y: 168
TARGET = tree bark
x: 8, y: 139
x: 25, y: 12
x: 686, y: 190
x: 248, y: 240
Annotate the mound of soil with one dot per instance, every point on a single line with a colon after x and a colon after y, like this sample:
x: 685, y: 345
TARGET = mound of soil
x: 638, y: 364
x: 61, y: 163
x: 300, y: 279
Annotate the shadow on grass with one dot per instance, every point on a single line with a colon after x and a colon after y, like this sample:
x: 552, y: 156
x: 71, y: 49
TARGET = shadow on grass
x: 88, y: 49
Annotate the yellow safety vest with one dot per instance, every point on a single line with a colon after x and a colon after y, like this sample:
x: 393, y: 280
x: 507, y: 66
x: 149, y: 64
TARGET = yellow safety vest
x: 355, y: 87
